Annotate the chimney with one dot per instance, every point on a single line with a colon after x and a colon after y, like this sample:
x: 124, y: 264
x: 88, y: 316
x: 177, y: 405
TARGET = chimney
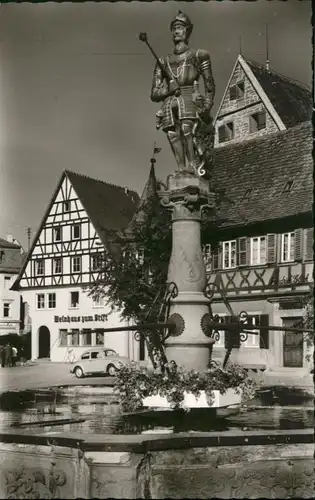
x: 10, y: 238
x: 126, y: 190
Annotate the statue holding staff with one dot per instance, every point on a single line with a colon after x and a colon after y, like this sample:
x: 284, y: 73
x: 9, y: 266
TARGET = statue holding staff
x: 176, y: 84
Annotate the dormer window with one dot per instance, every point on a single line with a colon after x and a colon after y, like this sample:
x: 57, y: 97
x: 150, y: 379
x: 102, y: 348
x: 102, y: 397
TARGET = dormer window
x: 226, y: 132
x: 237, y: 91
x: 247, y: 193
x: 257, y: 122
x: 288, y: 187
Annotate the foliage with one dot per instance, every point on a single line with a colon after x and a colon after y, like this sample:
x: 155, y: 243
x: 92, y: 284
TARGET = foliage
x: 135, y: 266
x: 308, y: 319
x: 134, y: 384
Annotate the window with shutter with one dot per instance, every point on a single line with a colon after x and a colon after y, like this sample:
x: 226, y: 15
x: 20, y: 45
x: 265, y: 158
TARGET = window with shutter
x: 309, y: 242
x: 264, y: 334
x: 229, y: 254
x: 253, y: 335
x: 287, y: 247
x: 271, y: 248
x: 216, y: 258
x: 258, y: 250
x: 298, y: 244
x: 242, y: 252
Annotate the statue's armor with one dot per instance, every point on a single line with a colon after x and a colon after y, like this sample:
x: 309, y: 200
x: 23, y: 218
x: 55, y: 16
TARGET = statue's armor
x: 186, y: 69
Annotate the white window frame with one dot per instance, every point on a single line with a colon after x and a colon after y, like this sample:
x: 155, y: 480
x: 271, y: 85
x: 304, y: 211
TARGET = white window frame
x: 228, y: 245
x: 260, y: 261
x: 78, y: 303
x: 55, y: 240
x: 6, y: 306
x: 253, y: 340
x: 54, y: 267
x: 94, y: 258
x: 7, y: 281
x: 77, y: 332
x: 72, y: 228
x: 97, y: 333
x: 49, y: 301
x: 38, y: 263
x: 84, y: 332
x: 38, y: 307
x: 290, y: 258
x: 73, y: 266
x: 64, y: 330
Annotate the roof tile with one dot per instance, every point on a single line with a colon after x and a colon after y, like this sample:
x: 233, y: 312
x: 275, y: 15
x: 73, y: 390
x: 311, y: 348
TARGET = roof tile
x: 265, y: 164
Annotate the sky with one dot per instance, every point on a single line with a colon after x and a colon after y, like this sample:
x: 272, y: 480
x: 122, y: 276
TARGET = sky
x: 75, y: 83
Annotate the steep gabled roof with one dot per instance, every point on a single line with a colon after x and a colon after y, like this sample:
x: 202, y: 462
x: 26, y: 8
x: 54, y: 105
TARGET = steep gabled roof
x: 7, y: 244
x: 11, y: 259
x: 288, y: 101
x: 264, y: 165
x: 291, y: 99
x: 108, y: 206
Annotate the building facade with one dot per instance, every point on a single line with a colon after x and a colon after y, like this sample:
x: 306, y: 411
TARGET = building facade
x: 64, y: 261
x: 262, y: 262
x: 11, y: 257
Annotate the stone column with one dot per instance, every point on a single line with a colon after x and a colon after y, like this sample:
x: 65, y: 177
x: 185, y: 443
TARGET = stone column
x: 185, y: 196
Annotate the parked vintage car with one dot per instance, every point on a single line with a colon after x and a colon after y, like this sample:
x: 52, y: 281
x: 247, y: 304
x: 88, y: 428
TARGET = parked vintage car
x: 98, y: 361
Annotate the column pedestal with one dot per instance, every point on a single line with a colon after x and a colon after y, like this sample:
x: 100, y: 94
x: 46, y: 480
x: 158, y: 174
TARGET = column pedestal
x: 186, y: 196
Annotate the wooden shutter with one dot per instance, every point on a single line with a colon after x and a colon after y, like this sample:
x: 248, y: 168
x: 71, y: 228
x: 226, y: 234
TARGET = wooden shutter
x: 216, y: 258
x: 298, y: 244
x: 264, y: 334
x: 230, y: 336
x: 242, y: 245
x: 309, y: 242
x: 271, y: 248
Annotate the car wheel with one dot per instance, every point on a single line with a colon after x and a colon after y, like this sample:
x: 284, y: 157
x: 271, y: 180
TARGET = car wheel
x: 111, y: 370
x: 78, y: 372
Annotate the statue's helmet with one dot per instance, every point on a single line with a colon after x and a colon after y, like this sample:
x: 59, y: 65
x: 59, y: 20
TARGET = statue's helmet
x: 183, y: 19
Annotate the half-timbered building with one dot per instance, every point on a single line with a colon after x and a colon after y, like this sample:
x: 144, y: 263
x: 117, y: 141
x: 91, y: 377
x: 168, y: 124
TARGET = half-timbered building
x: 64, y: 260
x: 263, y: 264
x: 11, y: 258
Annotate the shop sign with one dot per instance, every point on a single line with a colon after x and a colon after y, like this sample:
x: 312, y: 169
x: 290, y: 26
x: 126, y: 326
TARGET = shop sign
x: 81, y: 319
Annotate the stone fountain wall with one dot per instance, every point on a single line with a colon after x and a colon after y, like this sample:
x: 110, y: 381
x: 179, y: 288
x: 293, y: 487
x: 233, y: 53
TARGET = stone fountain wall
x: 145, y: 471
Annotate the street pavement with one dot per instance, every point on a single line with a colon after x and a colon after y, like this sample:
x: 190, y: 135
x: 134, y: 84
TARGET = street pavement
x: 43, y: 374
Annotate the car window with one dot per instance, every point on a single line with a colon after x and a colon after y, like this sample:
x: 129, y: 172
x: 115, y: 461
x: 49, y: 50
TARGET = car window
x: 101, y: 355
x: 86, y: 355
x: 110, y: 352
x: 94, y: 355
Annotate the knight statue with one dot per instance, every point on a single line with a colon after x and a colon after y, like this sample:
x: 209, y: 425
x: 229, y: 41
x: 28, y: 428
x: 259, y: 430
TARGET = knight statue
x: 185, y: 112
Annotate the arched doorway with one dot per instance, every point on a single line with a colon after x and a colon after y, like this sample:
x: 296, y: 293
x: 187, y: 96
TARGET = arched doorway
x: 43, y: 342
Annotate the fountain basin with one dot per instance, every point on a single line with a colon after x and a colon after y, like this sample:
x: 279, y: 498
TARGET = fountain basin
x: 230, y: 397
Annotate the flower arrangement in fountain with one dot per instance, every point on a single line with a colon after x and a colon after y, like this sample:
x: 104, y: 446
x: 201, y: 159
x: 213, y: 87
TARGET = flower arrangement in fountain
x: 135, y: 383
